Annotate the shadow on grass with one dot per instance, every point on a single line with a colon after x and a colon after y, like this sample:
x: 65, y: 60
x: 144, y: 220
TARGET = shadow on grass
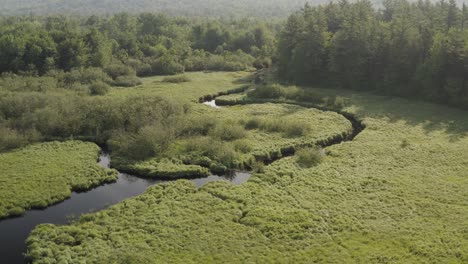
x: 431, y: 117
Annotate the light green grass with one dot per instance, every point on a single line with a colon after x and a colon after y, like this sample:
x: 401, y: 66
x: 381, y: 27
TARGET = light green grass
x: 201, y: 84
x: 43, y: 174
x: 397, y: 193
x: 255, y: 144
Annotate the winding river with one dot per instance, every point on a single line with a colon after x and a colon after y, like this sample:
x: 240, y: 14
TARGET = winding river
x: 14, y: 231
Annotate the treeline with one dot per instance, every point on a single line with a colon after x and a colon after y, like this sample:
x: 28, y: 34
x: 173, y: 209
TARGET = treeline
x: 206, y: 8
x: 125, y: 45
x: 407, y: 49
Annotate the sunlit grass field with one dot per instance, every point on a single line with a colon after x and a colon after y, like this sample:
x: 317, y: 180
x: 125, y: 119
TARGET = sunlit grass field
x: 199, y: 85
x: 397, y: 193
x: 43, y: 174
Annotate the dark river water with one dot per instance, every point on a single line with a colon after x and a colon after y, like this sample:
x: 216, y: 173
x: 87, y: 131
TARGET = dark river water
x: 14, y: 231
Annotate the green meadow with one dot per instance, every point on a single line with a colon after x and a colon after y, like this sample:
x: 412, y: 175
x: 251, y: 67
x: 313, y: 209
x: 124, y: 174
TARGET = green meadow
x: 397, y: 193
x: 43, y: 174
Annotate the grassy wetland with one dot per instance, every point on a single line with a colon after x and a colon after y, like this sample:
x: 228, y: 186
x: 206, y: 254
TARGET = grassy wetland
x: 336, y: 135
x: 394, y: 194
x: 44, y: 174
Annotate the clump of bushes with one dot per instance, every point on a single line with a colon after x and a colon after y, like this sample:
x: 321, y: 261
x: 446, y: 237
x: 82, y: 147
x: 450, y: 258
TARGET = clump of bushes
x: 336, y: 102
x: 253, y: 123
x: 11, y: 138
x: 225, y: 61
x: 176, y: 79
x: 20, y: 83
x: 404, y: 143
x: 272, y: 91
x: 228, y: 131
x: 148, y: 142
x: 277, y: 91
x: 127, y: 81
x: 99, y: 88
x: 118, y: 69
x: 219, y: 156
x: 290, y: 128
x: 166, y: 65
x: 309, y: 157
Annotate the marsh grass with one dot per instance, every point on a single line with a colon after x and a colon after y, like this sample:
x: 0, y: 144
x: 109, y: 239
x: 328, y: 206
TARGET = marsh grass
x: 369, y: 201
x: 176, y: 79
x: 289, y: 128
x: 43, y: 174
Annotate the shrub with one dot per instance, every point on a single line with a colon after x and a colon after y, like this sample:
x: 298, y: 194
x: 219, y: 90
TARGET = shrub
x: 404, y: 143
x: 336, y: 102
x: 99, y: 88
x: 295, y: 128
x: 242, y: 146
x: 115, y: 70
x: 166, y: 65
x: 148, y: 142
x: 310, y: 157
x: 198, y: 126
x: 262, y: 63
x: 228, y: 131
x: 253, y: 123
x: 291, y: 128
x: 273, y: 91
x: 10, y: 139
x: 258, y: 167
x: 127, y: 81
x: 85, y: 76
x: 176, y: 79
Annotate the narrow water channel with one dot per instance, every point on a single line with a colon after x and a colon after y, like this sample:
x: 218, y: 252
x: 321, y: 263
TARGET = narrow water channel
x: 14, y: 231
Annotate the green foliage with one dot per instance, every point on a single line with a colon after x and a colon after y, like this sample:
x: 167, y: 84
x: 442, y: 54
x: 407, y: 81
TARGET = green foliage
x: 290, y: 128
x: 127, y: 81
x: 405, y: 49
x: 228, y: 131
x: 99, y: 88
x: 379, y: 202
x: 309, y: 157
x: 43, y: 174
x: 176, y: 79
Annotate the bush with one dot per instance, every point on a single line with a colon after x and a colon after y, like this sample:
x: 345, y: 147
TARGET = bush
x: 99, y: 88
x: 166, y: 65
x: 253, y: 123
x: 115, y: 70
x: 198, y: 126
x: 228, y: 131
x: 273, y: 91
x: 310, y: 157
x: 291, y: 128
x: 242, y: 146
x: 336, y: 102
x: 127, y: 81
x: 85, y: 76
x: 176, y: 79
x: 262, y: 63
x: 142, y: 69
x: 148, y: 142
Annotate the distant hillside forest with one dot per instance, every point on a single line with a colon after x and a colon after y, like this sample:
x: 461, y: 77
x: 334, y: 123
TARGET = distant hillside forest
x: 211, y: 8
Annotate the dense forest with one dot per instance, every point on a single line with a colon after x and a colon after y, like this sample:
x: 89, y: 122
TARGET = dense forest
x: 144, y: 44
x: 408, y: 49
x: 210, y: 8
